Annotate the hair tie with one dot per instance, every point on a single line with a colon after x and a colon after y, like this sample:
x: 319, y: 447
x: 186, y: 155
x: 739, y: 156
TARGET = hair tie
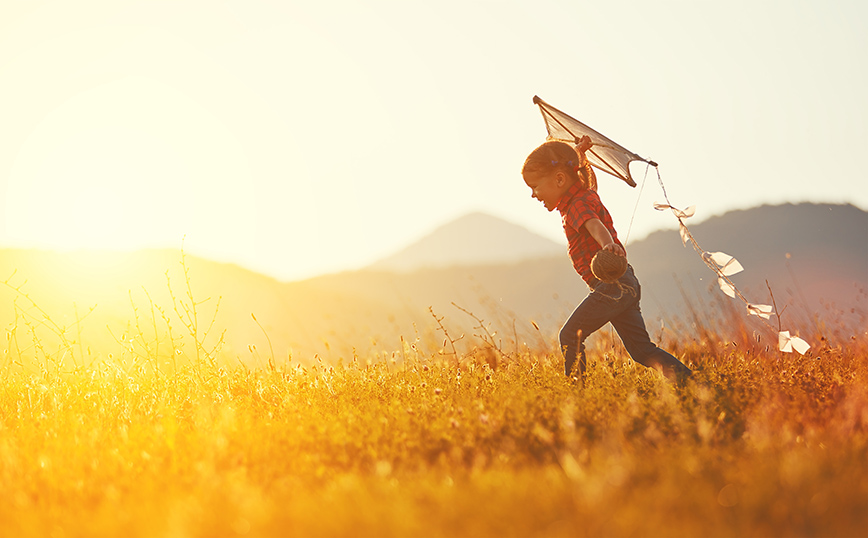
x: 554, y: 163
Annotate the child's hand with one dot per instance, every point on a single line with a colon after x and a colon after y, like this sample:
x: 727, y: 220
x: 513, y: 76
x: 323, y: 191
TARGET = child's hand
x: 602, y: 236
x: 584, y: 144
x: 616, y: 248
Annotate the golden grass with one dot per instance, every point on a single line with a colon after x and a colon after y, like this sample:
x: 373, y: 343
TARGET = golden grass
x: 758, y: 445
x: 162, y: 435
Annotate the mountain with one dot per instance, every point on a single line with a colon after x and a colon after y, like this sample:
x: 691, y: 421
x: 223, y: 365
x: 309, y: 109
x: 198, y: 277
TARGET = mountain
x: 118, y: 303
x: 473, y: 239
x: 814, y: 257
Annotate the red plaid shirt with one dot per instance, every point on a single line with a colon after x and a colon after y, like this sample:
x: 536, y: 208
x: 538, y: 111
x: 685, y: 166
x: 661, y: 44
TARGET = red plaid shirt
x: 578, y: 206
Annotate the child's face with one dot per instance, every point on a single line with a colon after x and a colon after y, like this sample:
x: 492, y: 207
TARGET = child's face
x: 548, y: 188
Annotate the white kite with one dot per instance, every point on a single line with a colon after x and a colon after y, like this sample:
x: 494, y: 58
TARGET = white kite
x: 604, y: 154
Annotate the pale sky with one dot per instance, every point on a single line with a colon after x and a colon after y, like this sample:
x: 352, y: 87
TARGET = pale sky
x: 299, y: 138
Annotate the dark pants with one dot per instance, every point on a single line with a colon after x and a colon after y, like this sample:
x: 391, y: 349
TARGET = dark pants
x: 618, y: 304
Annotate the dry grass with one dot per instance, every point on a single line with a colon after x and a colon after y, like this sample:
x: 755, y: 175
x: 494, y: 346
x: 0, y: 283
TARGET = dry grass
x: 758, y: 445
x: 163, y: 436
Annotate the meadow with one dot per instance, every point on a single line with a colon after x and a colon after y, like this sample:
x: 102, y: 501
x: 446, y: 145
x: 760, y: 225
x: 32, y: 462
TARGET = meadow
x: 161, y: 434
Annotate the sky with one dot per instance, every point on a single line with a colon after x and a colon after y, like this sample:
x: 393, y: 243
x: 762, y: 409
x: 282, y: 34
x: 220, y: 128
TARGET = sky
x: 302, y: 138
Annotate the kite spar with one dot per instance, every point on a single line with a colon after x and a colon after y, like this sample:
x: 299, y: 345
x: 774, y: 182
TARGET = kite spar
x: 605, y: 154
x: 612, y: 158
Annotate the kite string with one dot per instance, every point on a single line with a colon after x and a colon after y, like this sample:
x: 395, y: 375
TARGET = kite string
x: 636, y: 207
x: 660, y: 181
x: 706, y: 258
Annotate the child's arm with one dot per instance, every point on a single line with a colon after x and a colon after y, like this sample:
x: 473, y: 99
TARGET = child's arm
x: 585, y: 170
x: 602, y: 236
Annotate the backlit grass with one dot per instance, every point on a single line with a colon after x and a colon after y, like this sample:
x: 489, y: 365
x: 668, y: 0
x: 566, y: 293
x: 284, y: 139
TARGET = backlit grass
x: 162, y: 433
x: 759, y: 444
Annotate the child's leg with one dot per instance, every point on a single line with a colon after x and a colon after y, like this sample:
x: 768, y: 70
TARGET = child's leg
x: 631, y: 328
x: 594, y: 312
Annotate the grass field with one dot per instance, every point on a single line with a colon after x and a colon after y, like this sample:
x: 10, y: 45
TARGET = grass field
x: 161, y: 436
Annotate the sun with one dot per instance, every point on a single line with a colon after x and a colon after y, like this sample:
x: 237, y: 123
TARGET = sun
x: 128, y: 165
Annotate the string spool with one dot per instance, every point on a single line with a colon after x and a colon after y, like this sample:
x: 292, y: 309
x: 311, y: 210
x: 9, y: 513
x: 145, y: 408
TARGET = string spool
x: 608, y: 266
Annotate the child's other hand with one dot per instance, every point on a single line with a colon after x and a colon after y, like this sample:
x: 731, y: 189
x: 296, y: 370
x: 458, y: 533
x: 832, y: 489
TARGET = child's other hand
x: 616, y: 248
x: 584, y: 144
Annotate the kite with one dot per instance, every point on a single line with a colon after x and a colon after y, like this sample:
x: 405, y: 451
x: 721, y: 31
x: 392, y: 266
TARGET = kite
x: 614, y: 159
x: 604, y: 154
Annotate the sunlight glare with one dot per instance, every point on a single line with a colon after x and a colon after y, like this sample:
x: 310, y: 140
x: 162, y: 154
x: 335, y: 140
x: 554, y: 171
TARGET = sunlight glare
x: 127, y: 165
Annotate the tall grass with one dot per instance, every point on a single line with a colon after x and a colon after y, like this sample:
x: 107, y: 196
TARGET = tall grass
x: 156, y: 439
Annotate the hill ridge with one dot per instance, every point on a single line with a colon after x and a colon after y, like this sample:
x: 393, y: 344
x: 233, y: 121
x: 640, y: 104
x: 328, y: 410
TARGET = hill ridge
x: 474, y: 238
x: 813, y: 256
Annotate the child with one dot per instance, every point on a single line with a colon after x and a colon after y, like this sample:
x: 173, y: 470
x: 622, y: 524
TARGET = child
x: 562, y: 179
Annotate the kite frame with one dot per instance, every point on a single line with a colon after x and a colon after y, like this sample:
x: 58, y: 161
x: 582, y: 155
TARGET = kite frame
x: 599, y: 140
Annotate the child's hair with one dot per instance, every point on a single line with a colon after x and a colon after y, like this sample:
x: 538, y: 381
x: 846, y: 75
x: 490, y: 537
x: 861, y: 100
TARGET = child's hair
x: 553, y: 156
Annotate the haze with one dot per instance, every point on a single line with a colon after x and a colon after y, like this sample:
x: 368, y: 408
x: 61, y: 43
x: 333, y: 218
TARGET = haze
x: 302, y: 138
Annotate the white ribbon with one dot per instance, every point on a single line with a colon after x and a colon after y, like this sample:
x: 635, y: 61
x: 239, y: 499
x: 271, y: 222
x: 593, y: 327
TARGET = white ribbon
x: 787, y: 343
x: 689, y: 212
x: 726, y: 263
x: 761, y: 310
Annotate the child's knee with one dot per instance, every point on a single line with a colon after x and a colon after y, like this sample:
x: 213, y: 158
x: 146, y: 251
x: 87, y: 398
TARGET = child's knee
x: 567, y: 337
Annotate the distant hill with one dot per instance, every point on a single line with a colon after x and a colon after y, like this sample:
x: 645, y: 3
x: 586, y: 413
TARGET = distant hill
x: 104, y: 299
x: 814, y: 257
x: 473, y: 239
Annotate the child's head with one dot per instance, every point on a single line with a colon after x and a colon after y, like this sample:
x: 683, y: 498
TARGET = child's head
x: 551, y: 157
x: 550, y: 170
